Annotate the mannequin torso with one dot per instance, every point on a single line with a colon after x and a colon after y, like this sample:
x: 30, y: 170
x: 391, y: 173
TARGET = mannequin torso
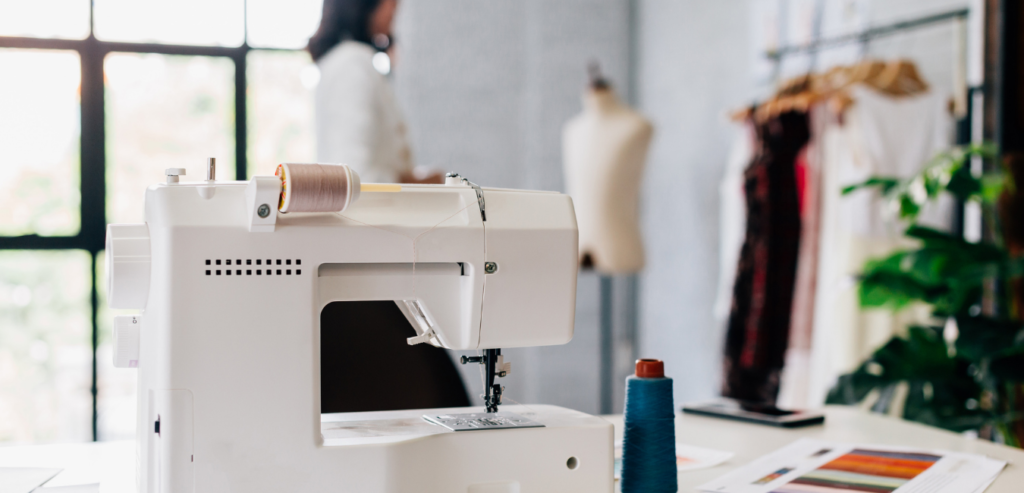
x: 604, y: 151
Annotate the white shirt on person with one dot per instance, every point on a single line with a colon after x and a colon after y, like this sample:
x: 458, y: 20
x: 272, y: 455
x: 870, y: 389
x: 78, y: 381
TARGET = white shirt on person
x: 357, y: 119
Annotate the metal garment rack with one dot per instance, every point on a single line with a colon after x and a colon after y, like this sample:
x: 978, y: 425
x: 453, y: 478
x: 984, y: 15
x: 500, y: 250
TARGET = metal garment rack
x: 867, y: 34
x: 963, y: 126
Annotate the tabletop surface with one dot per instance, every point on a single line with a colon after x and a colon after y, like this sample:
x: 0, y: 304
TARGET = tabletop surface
x: 842, y: 424
x: 112, y: 464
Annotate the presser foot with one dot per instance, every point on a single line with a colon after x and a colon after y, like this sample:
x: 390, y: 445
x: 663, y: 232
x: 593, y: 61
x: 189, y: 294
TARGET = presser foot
x: 495, y: 366
x: 493, y: 398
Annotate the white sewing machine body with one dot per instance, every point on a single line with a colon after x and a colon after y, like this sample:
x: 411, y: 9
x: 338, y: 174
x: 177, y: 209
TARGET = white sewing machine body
x: 227, y: 348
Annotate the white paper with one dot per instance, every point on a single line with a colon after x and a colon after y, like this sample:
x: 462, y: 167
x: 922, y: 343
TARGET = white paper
x: 809, y: 465
x: 24, y: 479
x: 688, y: 457
x: 78, y: 488
x: 986, y: 485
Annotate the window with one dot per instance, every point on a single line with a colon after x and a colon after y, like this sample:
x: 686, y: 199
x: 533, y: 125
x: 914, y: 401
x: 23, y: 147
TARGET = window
x: 39, y: 135
x: 45, y: 345
x: 164, y: 111
x: 108, y: 94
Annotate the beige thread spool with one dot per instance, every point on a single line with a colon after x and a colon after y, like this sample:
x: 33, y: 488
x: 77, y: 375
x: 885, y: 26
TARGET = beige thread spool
x: 317, y: 187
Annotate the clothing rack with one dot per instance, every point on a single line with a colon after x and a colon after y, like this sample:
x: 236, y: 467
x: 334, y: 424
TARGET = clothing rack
x: 963, y: 127
x: 867, y: 34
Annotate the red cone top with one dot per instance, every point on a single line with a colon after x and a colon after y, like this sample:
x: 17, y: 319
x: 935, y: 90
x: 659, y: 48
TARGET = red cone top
x: 650, y: 368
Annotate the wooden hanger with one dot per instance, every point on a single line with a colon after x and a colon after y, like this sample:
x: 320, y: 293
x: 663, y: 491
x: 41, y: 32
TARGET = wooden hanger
x: 895, y: 78
x: 900, y: 78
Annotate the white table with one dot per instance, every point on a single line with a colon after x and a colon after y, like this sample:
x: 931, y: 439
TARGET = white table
x: 112, y: 464
x: 845, y: 424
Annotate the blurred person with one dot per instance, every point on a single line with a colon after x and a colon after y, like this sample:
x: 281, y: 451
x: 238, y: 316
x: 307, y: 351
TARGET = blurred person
x: 358, y: 122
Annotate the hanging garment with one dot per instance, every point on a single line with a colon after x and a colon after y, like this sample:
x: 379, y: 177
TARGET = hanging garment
x: 732, y: 218
x: 758, y: 331
x: 878, y: 136
x: 795, y: 380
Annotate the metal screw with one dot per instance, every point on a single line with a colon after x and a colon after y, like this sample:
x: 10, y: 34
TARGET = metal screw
x: 263, y: 210
x: 490, y: 267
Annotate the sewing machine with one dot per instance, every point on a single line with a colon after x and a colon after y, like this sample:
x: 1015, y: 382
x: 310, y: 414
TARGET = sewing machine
x: 227, y: 343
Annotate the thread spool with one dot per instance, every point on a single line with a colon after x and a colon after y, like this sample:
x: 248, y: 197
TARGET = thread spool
x: 649, y: 438
x: 317, y: 187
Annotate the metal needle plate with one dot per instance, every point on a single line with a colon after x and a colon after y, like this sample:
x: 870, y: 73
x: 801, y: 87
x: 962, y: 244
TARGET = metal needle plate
x: 481, y: 421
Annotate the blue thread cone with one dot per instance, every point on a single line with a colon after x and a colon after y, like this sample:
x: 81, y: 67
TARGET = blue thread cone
x: 649, y: 437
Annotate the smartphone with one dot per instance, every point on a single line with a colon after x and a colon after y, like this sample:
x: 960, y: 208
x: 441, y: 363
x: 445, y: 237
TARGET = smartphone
x: 756, y: 413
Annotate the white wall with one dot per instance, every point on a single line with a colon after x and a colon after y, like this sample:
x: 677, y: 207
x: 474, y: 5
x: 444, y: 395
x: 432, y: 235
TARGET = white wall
x: 931, y: 47
x: 695, y: 60
x: 486, y: 87
x: 692, y: 66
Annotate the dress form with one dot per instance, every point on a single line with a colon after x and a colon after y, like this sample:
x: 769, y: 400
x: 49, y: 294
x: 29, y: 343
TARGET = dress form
x: 604, y: 152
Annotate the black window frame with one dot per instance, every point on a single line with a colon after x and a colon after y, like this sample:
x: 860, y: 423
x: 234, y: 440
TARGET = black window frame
x: 92, y: 209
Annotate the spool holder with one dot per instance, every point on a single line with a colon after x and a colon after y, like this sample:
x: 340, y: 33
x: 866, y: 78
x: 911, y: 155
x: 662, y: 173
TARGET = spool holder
x: 261, y: 196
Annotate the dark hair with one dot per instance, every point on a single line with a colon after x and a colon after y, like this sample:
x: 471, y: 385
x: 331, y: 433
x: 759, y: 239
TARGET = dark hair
x: 342, y: 20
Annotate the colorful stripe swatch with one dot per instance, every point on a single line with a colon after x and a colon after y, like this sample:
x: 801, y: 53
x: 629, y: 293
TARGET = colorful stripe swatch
x: 861, y: 470
x: 773, y: 476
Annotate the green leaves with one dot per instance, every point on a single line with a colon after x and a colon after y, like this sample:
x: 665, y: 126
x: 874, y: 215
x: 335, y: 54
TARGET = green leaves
x: 949, y: 171
x: 946, y: 271
x: 1009, y: 367
x: 995, y: 345
x: 921, y: 356
x: 972, y: 379
x: 886, y: 184
x: 941, y: 390
x: 982, y: 338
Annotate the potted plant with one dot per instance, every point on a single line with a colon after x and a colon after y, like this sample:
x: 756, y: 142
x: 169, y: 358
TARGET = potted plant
x: 965, y: 371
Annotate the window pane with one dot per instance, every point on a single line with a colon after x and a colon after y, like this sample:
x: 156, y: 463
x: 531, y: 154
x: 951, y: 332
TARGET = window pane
x: 35, y: 18
x: 165, y: 111
x: 116, y: 387
x: 39, y: 136
x: 277, y: 24
x: 280, y: 114
x: 184, y: 22
x: 45, y: 346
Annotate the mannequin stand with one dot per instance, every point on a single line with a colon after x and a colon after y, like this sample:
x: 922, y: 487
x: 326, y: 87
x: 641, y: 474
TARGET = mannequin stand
x: 612, y: 371
x: 607, y: 336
